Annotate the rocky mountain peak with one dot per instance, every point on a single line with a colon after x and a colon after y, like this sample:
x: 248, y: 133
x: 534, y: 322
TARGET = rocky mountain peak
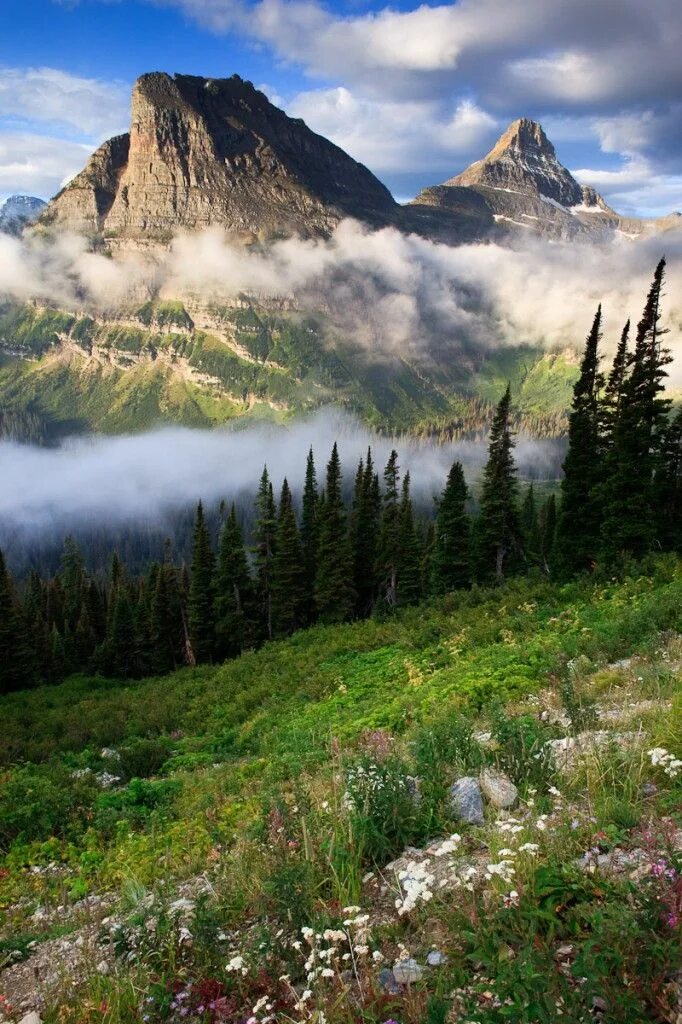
x: 204, y: 151
x: 18, y: 211
x: 523, y: 160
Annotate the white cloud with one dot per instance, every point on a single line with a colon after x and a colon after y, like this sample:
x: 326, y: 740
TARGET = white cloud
x: 397, y: 136
x: 86, y: 107
x: 38, y: 164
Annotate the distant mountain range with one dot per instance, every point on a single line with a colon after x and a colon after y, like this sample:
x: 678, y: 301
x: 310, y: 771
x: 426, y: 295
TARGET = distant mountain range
x: 18, y: 211
x: 217, y: 151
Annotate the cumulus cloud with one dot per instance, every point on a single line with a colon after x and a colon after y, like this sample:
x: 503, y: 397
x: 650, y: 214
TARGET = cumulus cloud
x: 38, y: 164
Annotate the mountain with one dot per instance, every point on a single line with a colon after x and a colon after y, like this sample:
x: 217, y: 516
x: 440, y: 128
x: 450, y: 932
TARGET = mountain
x: 204, y: 151
x: 18, y: 211
x: 521, y: 184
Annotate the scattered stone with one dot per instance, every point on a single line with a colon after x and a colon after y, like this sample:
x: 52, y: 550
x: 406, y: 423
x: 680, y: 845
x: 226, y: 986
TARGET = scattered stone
x: 407, y: 972
x: 31, y: 1018
x: 466, y: 801
x: 414, y: 789
x: 388, y: 983
x: 436, y: 958
x: 498, y: 789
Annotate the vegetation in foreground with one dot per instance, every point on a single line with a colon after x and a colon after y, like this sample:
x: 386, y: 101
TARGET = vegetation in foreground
x: 215, y: 845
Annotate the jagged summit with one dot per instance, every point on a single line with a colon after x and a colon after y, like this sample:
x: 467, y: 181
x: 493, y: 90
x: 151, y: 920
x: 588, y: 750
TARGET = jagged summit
x: 524, y: 159
x: 17, y: 212
x: 204, y: 151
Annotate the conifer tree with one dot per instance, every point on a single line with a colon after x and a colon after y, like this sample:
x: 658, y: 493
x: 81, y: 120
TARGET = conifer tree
x: 288, y: 573
x: 122, y: 642
x: 334, y: 595
x: 389, y: 553
x: 409, y: 589
x: 497, y: 528
x: 451, y: 553
x: 613, y: 392
x: 166, y: 624
x: 200, y: 612
x: 309, y: 525
x: 668, y: 486
x: 234, y: 592
x: 628, y: 493
x: 364, y: 535
x: 530, y: 527
x: 547, y: 524
x: 579, y: 525
x: 14, y: 667
x: 264, y: 549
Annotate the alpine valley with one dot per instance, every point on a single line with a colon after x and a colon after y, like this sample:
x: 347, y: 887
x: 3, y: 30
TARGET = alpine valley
x: 215, y: 155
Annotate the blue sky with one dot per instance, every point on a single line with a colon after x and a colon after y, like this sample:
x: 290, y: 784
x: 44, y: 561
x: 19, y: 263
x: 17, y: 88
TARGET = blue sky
x: 416, y: 93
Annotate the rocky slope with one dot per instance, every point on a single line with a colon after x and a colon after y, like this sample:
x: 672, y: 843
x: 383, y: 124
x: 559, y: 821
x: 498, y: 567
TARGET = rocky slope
x: 216, y: 151
x: 18, y: 211
x: 521, y: 184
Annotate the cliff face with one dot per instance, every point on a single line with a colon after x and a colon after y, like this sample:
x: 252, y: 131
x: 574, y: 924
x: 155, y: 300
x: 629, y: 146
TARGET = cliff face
x: 216, y: 151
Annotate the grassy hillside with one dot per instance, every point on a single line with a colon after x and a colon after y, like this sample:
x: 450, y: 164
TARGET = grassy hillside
x: 158, y: 366
x: 170, y: 842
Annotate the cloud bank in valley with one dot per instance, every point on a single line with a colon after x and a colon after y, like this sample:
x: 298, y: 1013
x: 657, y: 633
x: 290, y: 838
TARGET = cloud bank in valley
x: 392, y: 293
x: 112, y: 481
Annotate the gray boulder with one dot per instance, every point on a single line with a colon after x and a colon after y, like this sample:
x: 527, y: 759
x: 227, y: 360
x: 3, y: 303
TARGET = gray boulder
x: 466, y: 801
x: 436, y: 958
x: 407, y: 972
x: 388, y: 983
x: 497, y: 788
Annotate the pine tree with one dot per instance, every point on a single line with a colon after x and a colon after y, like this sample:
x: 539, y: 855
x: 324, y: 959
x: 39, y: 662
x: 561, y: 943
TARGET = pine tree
x: 389, y: 553
x: 450, y: 559
x: 122, y: 641
x: 309, y: 525
x: 200, y: 613
x: 409, y: 589
x: 628, y: 493
x: 334, y: 595
x: 579, y: 525
x: 364, y: 535
x: 264, y: 550
x: 234, y: 592
x: 668, y: 487
x: 166, y: 621
x: 14, y: 652
x: 73, y: 580
x: 613, y: 392
x: 288, y: 571
x: 497, y: 528
x: 547, y: 523
x: 530, y: 527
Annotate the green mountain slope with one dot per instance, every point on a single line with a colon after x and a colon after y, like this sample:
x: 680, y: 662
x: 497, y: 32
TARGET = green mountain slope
x: 224, y: 809
x: 163, y: 363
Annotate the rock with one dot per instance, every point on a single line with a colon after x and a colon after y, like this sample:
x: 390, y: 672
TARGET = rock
x: 414, y: 789
x: 387, y: 981
x: 466, y: 801
x: 407, y: 972
x: 436, y: 958
x: 498, y: 789
x: 31, y: 1018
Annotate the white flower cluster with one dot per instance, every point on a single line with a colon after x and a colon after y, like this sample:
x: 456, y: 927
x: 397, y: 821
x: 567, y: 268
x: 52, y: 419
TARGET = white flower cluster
x: 670, y: 764
x: 416, y: 881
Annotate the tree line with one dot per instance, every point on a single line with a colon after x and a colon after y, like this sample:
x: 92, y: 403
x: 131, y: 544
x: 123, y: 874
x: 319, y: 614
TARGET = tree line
x: 329, y: 560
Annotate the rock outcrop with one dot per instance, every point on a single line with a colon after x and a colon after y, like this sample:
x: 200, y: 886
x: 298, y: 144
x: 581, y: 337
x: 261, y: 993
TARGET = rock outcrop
x: 18, y: 211
x: 216, y: 151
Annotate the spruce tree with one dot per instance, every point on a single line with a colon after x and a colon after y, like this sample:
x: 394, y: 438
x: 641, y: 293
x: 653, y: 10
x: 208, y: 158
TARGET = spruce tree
x: 14, y: 654
x: 288, y: 571
x: 334, y: 595
x: 166, y: 623
x: 547, y: 524
x: 613, y: 392
x: 579, y: 526
x: 530, y: 527
x: 498, y: 530
x: 234, y: 592
x: 389, y: 553
x: 409, y: 589
x: 200, y: 612
x: 309, y: 514
x: 264, y: 550
x: 668, y: 487
x: 629, y: 493
x: 364, y: 535
x: 451, y: 552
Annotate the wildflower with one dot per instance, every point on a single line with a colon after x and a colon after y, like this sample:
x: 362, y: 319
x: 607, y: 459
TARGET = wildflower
x: 668, y: 762
x: 327, y: 972
x: 554, y: 791
x: 448, y: 845
x: 511, y: 899
x: 531, y: 848
x: 236, y: 965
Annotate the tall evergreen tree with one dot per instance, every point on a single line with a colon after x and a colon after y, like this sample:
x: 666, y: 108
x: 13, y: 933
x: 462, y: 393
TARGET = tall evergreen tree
x: 668, y: 486
x: 14, y: 654
x: 498, y: 530
x: 309, y: 528
x: 264, y: 550
x: 334, y: 595
x: 364, y: 534
x: 451, y: 553
x: 288, y: 575
x: 234, y: 592
x: 409, y: 588
x: 547, y: 523
x: 628, y: 493
x: 200, y: 611
x: 530, y: 527
x: 389, y: 548
x: 613, y: 392
x: 166, y: 620
x: 579, y: 525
